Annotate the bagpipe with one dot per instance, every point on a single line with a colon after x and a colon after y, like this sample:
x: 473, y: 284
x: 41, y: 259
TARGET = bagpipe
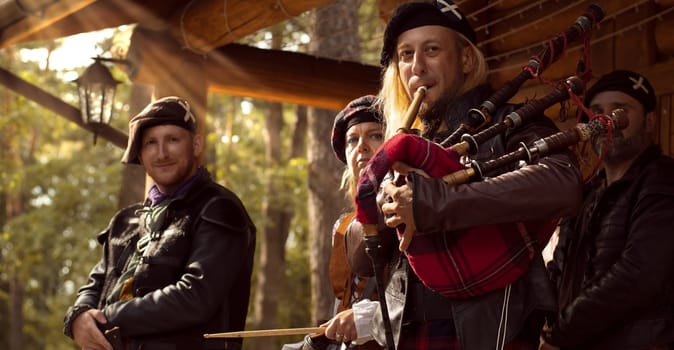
x: 456, y: 264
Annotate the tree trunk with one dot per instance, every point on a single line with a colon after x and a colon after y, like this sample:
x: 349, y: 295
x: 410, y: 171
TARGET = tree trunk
x: 278, y: 213
x: 326, y: 204
x: 274, y: 233
x: 15, y: 309
x: 14, y: 206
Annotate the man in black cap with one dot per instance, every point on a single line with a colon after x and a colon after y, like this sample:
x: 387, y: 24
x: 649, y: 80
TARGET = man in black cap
x: 431, y: 44
x: 614, y: 264
x: 176, y: 266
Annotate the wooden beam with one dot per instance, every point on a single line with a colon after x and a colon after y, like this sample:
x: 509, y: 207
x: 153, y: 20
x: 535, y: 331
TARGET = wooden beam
x: 32, y: 24
x: 101, y: 15
x: 59, y: 107
x: 13, y: 11
x: 660, y: 75
x: 664, y: 3
x: 241, y: 70
x: 202, y: 26
x: 290, y: 77
x: 638, y: 40
x: 509, y: 4
x: 538, y: 24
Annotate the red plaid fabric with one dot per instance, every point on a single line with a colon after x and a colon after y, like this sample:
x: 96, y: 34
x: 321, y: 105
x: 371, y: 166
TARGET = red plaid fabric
x: 459, y: 264
x: 471, y: 262
x: 407, y: 148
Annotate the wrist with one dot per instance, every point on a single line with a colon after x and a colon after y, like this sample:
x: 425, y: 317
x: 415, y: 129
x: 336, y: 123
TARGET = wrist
x: 72, y: 314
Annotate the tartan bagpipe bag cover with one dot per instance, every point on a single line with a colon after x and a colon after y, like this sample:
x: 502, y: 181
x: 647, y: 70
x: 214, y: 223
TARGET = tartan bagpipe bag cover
x: 456, y: 264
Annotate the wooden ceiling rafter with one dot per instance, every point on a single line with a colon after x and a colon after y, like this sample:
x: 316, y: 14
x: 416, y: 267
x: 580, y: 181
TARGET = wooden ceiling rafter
x: 30, y: 25
x: 519, y: 12
x: 503, y: 26
x: 298, y: 78
x: 473, y: 15
x: 94, y: 17
x: 183, y: 35
x: 61, y: 108
x: 195, y: 27
x: 531, y: 47
x: 593, y: 41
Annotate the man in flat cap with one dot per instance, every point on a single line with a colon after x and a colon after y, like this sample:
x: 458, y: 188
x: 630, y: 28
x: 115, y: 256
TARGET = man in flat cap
x: 432, y: 44
x: 614, y: 264
x: 176, y: 266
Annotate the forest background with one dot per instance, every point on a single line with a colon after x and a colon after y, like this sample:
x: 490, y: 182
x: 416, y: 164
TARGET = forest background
x: 58, y: 189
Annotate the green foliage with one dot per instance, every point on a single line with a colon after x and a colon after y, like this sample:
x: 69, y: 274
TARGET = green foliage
x: 242, y: 167
x: 61, y: 191
x: 370, y: 30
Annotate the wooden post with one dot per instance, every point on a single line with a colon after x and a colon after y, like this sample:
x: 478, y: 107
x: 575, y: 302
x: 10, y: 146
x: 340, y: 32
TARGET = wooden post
x: 158, y: 60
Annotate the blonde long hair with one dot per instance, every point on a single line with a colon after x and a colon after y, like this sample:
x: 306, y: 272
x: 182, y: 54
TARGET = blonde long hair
x: 349, y: 184
x: 394, y: 101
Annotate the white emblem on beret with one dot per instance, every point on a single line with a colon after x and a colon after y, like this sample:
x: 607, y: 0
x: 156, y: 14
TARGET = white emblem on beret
x: 639, y: 84
x: 446, y: 7
x: 188, y: 113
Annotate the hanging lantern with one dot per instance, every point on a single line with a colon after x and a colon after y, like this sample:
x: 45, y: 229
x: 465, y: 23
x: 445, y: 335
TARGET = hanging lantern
x: 96, y: 90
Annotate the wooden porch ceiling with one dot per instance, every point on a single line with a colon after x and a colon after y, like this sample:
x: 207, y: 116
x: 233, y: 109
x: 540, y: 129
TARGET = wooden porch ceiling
x: 203, y: 28
x: 510, y: 31
x: 199, y: 25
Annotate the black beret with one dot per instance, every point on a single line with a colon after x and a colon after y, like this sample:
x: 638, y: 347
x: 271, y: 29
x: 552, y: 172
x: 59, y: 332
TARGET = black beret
x: 357, y: 111
x: 631, y: 83
x: 164, y: 111
x: 411, y: 15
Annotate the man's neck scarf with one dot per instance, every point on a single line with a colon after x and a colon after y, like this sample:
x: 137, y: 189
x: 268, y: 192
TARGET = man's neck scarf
x: 156, y: 196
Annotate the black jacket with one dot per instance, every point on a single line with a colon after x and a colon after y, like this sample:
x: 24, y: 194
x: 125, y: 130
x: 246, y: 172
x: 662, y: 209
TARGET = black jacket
x: 193, y: 278
x: 617, y: 262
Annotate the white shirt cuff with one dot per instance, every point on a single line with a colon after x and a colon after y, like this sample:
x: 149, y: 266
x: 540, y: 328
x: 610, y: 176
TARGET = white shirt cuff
x: 363, y: 312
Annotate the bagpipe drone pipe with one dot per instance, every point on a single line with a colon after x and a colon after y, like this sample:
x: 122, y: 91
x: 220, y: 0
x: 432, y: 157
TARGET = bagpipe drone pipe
x: 598, y: 125
x: 441, y: 260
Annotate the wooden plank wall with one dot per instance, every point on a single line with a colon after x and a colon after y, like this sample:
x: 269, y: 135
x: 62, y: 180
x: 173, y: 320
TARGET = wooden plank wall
x: 665, y: 135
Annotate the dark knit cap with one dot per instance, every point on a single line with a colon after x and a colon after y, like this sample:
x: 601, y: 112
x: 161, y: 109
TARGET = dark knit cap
x: 631, y: 83
x: 164, y: 111
x: 411, y: 15
x: 357, y: 111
